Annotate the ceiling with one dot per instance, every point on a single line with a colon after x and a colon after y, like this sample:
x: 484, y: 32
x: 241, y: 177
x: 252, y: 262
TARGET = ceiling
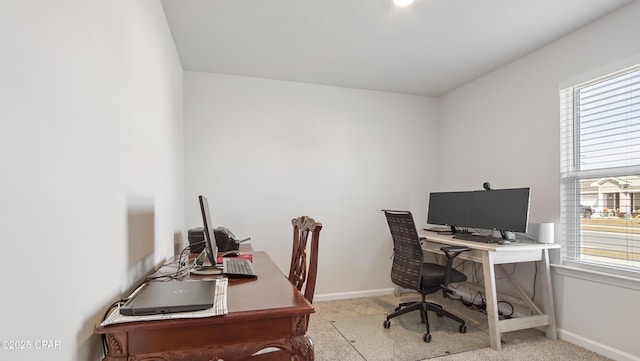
x: 428, y: 48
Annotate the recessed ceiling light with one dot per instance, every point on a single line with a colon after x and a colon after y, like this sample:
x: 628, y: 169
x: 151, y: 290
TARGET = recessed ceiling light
x: 402, y: 2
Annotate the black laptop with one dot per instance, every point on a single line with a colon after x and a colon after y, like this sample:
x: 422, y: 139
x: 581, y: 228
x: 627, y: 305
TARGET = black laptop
x: 170, y: 297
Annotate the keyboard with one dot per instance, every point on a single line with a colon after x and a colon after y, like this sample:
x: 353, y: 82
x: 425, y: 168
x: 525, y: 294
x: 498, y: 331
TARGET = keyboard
x: 237, y: 267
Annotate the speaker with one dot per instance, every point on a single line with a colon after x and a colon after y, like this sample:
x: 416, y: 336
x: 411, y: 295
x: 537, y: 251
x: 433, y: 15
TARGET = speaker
x: 546, y: 233
x: 196, y: 240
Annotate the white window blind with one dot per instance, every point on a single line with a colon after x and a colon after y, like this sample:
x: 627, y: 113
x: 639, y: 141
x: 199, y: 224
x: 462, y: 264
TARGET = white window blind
x: 600, y: 171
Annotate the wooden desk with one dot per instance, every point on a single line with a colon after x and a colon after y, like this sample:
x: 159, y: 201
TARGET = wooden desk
x: 490, y: 255
x: 263, y: 312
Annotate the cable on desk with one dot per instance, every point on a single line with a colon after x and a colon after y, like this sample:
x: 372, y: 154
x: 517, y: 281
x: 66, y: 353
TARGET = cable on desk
x: 510, y: 305
x: 515, y: 265
x: 195, y: 244
x: 180, y: 263
x: 118, y: 303
x: 180, y: 272
x: 477, y: 279
x: 175, y: 275
x: 475, y: 298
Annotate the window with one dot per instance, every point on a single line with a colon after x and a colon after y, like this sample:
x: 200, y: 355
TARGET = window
x: 600, y: 172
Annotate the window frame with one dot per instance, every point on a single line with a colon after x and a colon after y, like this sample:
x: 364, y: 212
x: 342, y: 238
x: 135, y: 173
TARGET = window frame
x: 570, y: 178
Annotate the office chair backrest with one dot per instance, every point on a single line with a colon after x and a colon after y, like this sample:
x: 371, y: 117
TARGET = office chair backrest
x: 302, y: 273
x: 408, y: 257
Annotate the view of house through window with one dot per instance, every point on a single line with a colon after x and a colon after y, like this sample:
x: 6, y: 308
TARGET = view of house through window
x: 610, y: 220
x: 600, y: 175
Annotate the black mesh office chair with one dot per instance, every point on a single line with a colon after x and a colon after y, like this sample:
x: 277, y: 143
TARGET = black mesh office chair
x: 411, y: 272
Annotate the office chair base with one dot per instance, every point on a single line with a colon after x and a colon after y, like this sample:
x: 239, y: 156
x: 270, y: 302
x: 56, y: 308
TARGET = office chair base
x: 423, y: 307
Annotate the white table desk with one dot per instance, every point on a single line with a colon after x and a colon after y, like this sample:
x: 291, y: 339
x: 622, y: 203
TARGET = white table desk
x: 491, y: 254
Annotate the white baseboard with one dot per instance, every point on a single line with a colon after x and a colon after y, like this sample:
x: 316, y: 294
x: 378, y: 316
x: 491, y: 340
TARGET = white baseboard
x: 356, y: 294
x: 596, y: 347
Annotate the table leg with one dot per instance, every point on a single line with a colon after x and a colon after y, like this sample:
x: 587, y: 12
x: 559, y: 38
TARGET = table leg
x: 549, y: 308
x: 302, y: 348
x: 492, y: 300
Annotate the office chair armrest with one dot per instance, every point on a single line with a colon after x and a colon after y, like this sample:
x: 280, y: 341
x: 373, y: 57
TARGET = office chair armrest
x: 451, y: 252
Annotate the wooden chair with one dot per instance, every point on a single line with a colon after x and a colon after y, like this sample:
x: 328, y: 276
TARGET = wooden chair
x: 301, y: 272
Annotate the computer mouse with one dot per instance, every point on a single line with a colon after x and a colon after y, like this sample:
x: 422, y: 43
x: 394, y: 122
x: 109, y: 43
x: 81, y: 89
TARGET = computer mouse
x: 233, y: 253
x: 504, y: 242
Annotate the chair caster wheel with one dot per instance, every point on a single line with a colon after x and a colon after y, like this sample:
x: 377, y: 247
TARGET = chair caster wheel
x: 386, y: 324
x: 463, y: 328
x: 427, y: 337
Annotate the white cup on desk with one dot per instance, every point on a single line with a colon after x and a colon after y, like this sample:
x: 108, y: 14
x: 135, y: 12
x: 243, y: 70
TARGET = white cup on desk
x: 546, y: 232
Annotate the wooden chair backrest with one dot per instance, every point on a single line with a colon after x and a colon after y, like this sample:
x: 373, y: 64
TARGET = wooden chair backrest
x: 303, y: 271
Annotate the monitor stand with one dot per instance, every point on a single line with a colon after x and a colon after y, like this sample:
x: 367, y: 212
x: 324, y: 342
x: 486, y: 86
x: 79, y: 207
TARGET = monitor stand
x: 505, y: 235
x: 204, y: 268
x: 452, y: 232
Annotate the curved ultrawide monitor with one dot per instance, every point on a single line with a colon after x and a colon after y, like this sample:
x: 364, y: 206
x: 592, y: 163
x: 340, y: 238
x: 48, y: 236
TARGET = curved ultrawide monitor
x: 499, y: 209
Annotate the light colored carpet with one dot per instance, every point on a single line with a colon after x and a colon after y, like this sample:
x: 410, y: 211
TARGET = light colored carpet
x: 351, y: 330
x: 403, y: 340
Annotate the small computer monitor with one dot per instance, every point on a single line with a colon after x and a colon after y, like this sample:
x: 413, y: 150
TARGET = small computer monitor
x: 451, y: 209
x: 211, y: 247
x: 501, y: 209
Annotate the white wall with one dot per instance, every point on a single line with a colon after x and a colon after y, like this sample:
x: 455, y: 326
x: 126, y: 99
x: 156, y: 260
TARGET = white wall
x: 90, y: 119
x: 504, y: 128
x: 266, y: 151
